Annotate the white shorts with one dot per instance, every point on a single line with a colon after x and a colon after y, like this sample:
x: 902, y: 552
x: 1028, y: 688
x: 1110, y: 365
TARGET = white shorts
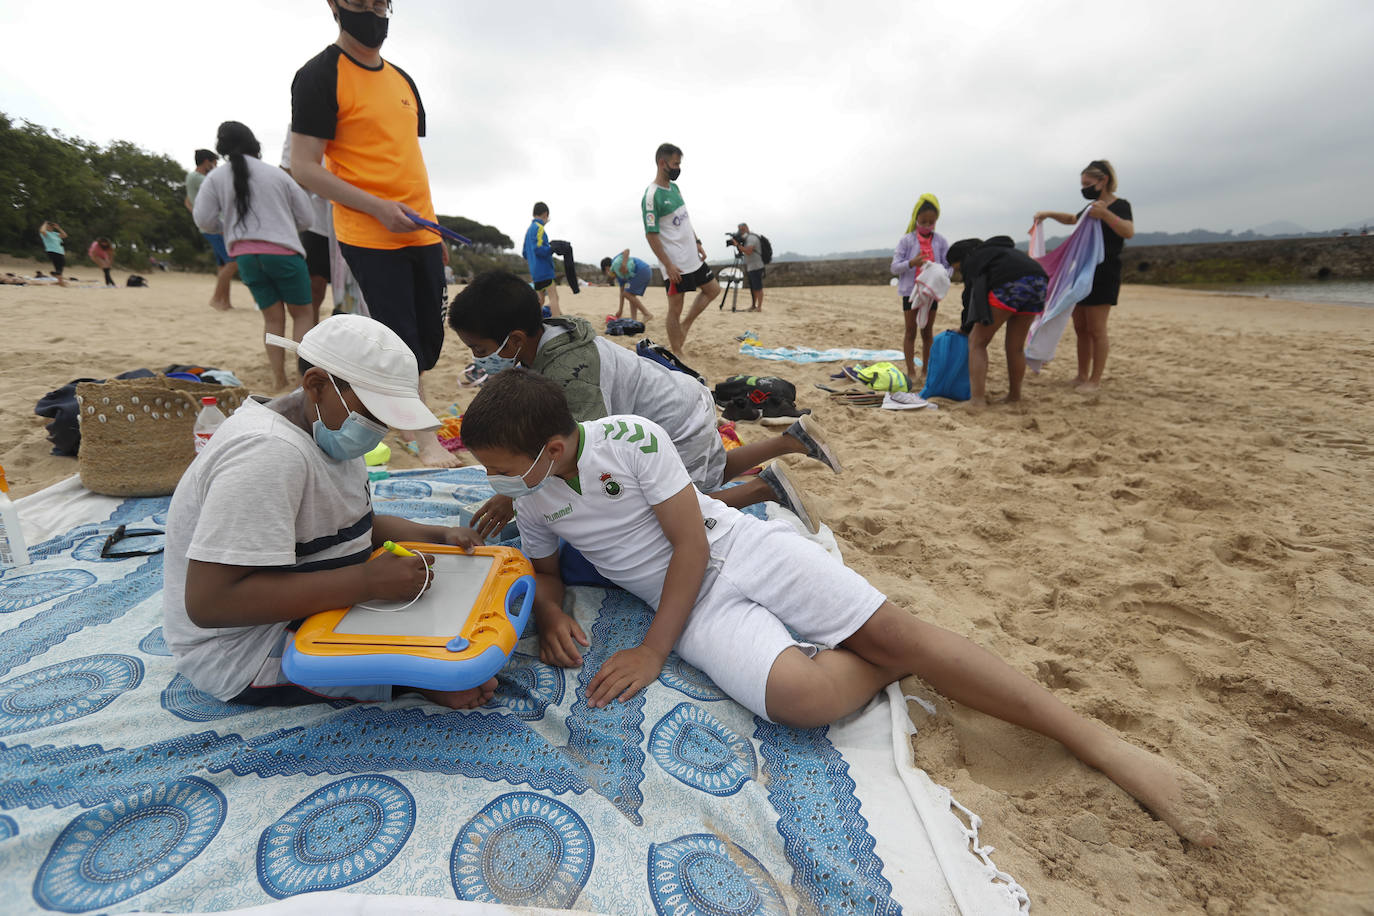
x: 770, y: 579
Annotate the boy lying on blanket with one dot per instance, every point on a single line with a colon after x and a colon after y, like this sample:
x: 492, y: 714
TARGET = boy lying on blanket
x: 726, y: 587
x: 498, y: 317
x: 273, y: 520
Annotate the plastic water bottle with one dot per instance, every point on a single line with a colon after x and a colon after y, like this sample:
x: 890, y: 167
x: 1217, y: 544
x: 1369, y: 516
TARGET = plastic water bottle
x: 207, y: 422
x: 12, y: 549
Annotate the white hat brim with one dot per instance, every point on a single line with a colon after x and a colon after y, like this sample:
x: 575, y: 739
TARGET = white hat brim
x: 397, y: 411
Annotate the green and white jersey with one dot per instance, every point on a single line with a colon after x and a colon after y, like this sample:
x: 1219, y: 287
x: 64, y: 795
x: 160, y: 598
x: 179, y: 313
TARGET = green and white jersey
x: 665, y: 213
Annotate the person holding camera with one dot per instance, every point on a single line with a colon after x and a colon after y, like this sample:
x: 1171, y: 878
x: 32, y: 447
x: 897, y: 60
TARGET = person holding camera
x: 669, y: 232
x: 749, y: 247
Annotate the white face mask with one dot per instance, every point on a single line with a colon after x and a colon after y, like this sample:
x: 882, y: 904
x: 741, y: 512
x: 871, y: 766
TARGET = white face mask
x: 515, y: 487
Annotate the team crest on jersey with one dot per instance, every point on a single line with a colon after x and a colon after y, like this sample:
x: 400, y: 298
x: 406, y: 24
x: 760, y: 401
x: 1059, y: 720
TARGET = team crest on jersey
x: 611, y: 486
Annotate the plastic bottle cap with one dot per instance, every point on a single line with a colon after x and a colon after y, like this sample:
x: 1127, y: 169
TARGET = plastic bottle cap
x: 209, y: 400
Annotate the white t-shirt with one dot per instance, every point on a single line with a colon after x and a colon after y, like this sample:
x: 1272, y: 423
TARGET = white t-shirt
x: 262, y: 494
x: 665, y: 213
x: 626, y: 465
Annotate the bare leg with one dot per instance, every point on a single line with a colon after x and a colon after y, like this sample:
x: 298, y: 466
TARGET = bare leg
x: 1085, y: 343
x: 1097, y: 322
x: 427, y: 441
x: 978, y: 342
x: 460, y: 699
x: 676, y: 334
x: 1018, y: 329
x: 318, y: 285
x: 220, y: 298
x: 303, y: 318
x: 927, y: 337
x: 703, y: 299
x: 553, y: 300
x: 739, y: 460
x: 806, y: 692
x: 746, y: 494
x: 909, y: 341
x: 274, y: 322
x: 892, y: 639
x: 636, y: 306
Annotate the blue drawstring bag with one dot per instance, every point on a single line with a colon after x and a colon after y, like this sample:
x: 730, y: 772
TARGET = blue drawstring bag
x: 947, y: 376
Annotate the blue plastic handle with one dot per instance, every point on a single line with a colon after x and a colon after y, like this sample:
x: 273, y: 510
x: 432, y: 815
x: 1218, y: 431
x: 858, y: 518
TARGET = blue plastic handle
x: 523, y: 588
x: 445, y: 231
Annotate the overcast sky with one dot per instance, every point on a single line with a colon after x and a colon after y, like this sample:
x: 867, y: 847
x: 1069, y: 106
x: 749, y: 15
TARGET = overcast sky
x: 818, y: 122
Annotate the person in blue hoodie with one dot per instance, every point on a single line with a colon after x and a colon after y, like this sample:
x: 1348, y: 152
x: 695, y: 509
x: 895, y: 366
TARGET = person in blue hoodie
x: 539, y: 255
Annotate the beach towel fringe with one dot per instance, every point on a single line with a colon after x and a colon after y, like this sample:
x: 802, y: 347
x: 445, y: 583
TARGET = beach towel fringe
x: 984, y: 854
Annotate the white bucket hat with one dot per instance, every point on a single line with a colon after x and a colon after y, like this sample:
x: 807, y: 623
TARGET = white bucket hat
x: 373, y: 360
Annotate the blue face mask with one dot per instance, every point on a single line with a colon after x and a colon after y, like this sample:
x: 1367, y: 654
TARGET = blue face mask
x: 494, y: 362
x: 354, y: 438
x: 515, y: 487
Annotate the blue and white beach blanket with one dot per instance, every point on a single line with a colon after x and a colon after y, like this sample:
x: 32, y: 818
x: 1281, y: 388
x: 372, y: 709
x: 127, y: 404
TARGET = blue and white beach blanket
x: 126, y: 789
x: 808, y: 355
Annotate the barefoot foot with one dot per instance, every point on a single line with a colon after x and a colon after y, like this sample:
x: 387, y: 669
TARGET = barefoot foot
x: 1171, y: 793
x: 434, y: 454
x: 1086, y: 387
x: 471, y: 698
x: 977, y: 404
x: 220, y: 305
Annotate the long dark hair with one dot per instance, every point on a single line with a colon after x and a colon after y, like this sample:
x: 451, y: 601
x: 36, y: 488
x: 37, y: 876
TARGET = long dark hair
x: 234, y: 141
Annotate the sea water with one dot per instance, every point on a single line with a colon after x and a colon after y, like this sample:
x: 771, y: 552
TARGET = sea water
x: 1340, y: 292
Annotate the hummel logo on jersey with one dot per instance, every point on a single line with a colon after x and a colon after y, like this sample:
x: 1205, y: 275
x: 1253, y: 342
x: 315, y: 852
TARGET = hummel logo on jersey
x: 551, y: 518
x: 620, y: 428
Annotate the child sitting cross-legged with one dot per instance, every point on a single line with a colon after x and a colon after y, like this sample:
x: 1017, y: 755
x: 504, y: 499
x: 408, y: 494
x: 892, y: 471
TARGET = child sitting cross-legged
x: 498, y: 317
x: 273, y: 521
x: 729, y: 590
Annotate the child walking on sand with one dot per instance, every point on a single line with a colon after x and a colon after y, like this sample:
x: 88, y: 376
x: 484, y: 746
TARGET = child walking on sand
x: 747, y: 601
x: 261, y: 210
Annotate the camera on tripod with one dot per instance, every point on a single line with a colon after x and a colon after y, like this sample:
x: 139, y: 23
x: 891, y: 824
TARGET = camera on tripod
x: 734, y: 240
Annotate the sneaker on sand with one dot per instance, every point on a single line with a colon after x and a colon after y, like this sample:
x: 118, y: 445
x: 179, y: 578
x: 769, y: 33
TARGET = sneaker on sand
x: 809, y: 432
x: 740, y: 409
x: 788, y: 496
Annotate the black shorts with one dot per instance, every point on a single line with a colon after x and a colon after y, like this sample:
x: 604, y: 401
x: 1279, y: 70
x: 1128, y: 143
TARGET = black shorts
x: 59, y: 261
x: 316, y: 254
x: 405, y: 290
x: 540, y: 285
x: 756, y: 279
x: 689, y: 282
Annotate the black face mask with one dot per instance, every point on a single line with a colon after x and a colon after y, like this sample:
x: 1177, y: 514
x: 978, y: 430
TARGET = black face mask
x: 1092, y: 193
x: 369, y: 30
x: 673, y: 173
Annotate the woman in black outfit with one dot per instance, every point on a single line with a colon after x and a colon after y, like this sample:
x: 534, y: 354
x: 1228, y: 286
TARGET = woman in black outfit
x: 1090, y: 315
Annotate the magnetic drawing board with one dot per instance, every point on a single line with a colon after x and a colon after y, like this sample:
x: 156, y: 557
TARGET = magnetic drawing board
x: 440, y: 612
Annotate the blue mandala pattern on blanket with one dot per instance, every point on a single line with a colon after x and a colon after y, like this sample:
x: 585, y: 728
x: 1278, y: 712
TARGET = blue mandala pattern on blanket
x: 607, y: 740
x: 128, y: 845
x: 523, y: 849
x: 527, y: 687
x: 338, y: 835
x: 699, y: 875
x: 186, y: 701
x: 697, y: 750
x: 417, y: 509
x: 684, y: 677
x: 401, y: 488
x: 360, y: 739
x: 154, y: 644
x: 65, y: 691
x: 93, y: 606
x: 20, y: 592
x: 824, y: 835
x: 8, y: 828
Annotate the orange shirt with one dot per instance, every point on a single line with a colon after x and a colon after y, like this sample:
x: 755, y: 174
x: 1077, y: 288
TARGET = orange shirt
x: 373, y: 120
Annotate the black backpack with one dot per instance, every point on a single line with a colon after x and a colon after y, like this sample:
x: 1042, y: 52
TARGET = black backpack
x: 766, y: 249
x: 756, y: 388
x: 135, y: 280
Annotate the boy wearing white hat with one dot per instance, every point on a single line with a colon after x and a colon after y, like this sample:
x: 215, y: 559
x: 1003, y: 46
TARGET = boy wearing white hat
x: 273, y: 521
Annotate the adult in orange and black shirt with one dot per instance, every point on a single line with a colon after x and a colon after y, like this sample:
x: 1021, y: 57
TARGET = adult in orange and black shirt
x: 363, y: 116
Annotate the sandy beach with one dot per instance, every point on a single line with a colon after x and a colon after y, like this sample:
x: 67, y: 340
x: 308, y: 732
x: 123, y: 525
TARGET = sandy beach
x: 1186, y: 556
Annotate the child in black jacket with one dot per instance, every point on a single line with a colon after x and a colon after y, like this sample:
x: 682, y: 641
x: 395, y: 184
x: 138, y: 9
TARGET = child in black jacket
x: 1001, y: 286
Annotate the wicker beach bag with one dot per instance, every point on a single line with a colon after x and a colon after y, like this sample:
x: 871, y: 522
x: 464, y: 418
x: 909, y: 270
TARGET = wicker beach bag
x: 137, y: 435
